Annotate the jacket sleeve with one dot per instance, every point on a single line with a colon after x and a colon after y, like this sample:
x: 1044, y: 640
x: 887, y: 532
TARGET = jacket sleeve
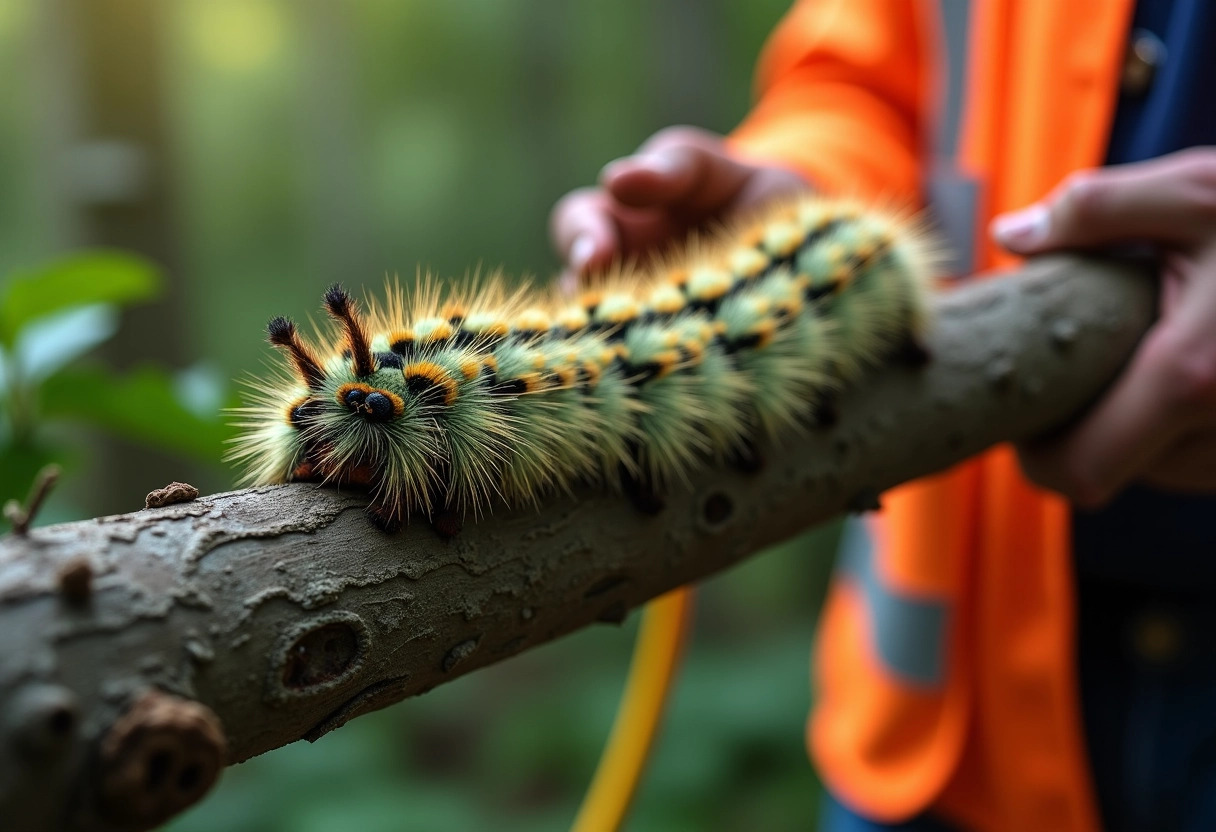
x: 843, y: 96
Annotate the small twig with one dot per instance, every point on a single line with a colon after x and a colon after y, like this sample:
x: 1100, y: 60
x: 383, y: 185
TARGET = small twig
x: 21, y: 518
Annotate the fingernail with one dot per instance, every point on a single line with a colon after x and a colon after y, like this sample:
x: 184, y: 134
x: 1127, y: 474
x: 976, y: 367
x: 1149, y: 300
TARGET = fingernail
x: 581, y: 251
x: 610, y: 169
x: 663, y: 164
x: 1022, y: 229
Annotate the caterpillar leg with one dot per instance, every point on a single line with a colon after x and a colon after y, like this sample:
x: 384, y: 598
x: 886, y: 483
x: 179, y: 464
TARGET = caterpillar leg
x: 823, y: 412
x: 912, y: 352
x: 641, y: 491
x: 446, y: 523
x: 387, y: 516
x: 307, y: 471
x: 746, y: 458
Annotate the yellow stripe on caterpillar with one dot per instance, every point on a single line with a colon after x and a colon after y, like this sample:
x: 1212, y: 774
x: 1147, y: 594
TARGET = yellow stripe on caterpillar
x: 430, y: 330
x: 666, y: 299
x: 532, y: 321
x: 616, y: 310
x: 708, y: 284
x: 573, y: 318
x: 749, y: 262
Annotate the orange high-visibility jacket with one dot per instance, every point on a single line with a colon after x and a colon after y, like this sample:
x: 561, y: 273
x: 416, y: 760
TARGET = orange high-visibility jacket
x: 991, y: 736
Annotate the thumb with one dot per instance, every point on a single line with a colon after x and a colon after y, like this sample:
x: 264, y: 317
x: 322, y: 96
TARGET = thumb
x: 1165, y: 200
x: 689, y: 171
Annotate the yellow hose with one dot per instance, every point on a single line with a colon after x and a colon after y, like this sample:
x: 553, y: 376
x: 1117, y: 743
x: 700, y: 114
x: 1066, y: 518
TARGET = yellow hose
x: 656, y: 656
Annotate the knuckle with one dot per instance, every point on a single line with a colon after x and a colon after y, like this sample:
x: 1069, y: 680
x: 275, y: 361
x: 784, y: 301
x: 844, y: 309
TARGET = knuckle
x: 1083, y: 193
x: 1203, y: 195
x: 680, y: 135
x: 1186, y: 369
x: 567, y: 208
x: 1195, y: 175
x: 570, y: 215
x: 1192, y: 377
x: 1057, y: 467
x: 1199, y: 163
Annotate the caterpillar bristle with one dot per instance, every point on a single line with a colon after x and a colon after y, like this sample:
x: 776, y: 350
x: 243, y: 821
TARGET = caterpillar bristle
x: 282, y: 333
x: 342, y: 307
x: 446, y: 401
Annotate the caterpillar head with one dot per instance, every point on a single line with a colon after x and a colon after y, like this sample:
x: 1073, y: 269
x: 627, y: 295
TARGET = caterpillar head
x: 367, y: 416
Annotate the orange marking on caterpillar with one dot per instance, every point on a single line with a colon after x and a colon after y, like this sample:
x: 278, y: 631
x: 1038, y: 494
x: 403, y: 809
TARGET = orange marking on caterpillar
x: 677, y: 278
x: 567, y: 375
x: 834, y: 252
x: 470, y: 368
x: 401, y: 340
x: 533, y: 382
x: 841, y: 276
x: 752, y: 236
x: 593, y: 373
x: 289, y: 415
x: 423, y: 376
x: 763, y: 333
x: 667, y: 361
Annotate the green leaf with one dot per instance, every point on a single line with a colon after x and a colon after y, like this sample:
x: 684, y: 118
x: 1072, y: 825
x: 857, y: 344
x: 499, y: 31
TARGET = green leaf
x: 77, y: 279
x: 142, y: 405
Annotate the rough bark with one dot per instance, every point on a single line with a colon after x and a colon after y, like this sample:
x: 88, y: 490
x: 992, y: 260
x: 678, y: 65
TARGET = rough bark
x: 141, y: 652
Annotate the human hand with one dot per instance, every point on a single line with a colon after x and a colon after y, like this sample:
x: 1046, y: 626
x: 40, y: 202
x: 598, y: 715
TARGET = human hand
x: 1157, y: 423
x: 680, y: 178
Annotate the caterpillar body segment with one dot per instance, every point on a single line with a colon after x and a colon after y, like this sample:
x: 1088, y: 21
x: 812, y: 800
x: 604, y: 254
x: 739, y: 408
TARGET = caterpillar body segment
x: 497, y: 396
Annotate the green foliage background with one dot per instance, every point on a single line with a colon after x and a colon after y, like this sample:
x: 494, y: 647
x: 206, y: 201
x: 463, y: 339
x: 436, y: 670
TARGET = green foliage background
x: 311, y: 141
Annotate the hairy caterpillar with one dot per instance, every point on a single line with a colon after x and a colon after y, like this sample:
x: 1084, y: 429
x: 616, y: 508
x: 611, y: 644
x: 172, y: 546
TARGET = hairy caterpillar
x: 445, y: 407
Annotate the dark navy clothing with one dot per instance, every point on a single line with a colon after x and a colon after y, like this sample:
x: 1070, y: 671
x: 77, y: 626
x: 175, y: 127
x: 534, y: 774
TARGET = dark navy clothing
x: 1178, y: 109
x: 1145, y: 564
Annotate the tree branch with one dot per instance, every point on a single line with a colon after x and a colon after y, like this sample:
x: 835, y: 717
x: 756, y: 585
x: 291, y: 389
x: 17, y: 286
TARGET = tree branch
x: 219, y: 628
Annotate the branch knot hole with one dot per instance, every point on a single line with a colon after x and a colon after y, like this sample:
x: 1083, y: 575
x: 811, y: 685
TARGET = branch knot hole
x: 319, y: 655
x: 715, y: 512
x: 159, y: 757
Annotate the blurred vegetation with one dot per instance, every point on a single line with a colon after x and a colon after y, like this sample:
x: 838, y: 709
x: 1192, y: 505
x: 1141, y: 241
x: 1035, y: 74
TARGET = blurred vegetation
x: 51, y: 319
x: 309, y: 141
